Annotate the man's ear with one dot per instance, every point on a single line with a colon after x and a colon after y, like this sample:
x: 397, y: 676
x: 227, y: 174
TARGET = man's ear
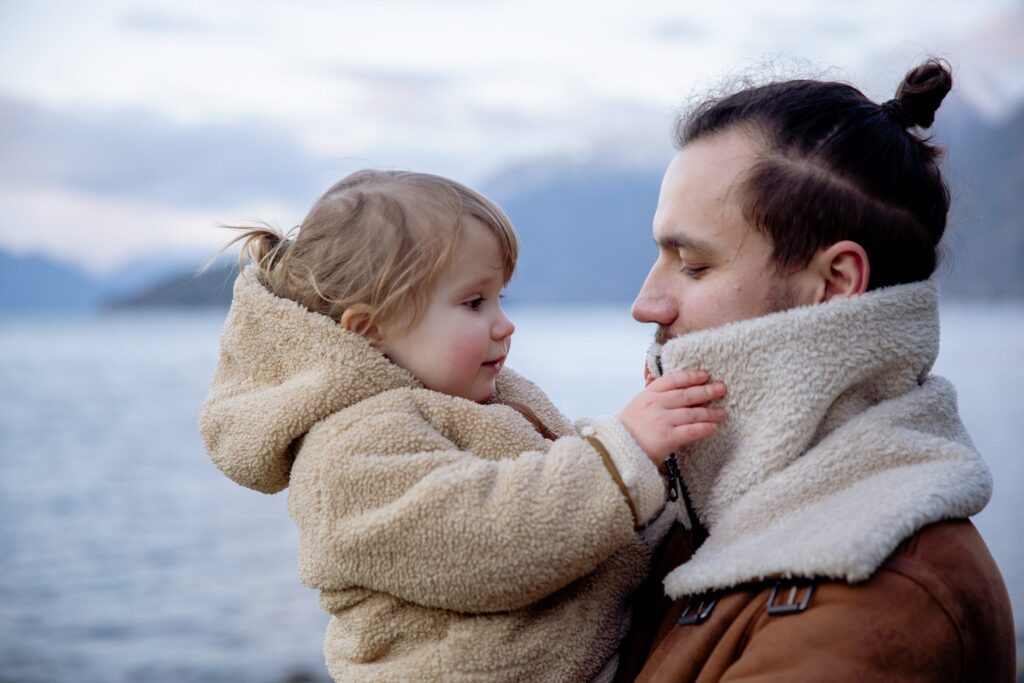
x: 356, y: 317
x: 843, y: 271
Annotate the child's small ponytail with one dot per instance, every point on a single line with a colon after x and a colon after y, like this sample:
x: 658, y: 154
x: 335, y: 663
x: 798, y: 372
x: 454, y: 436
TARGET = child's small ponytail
x: 262, y: 245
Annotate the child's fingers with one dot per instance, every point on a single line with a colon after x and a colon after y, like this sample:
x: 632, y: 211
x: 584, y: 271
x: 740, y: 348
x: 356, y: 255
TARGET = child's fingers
x: 648, y: 377
x: 693, y: 396
x: 684, y: 434
x: 679, y: 380
x: 683, y: 416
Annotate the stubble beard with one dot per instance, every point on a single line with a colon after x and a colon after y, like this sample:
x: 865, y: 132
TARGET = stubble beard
x: 781, y: 297
x: 662, y: 335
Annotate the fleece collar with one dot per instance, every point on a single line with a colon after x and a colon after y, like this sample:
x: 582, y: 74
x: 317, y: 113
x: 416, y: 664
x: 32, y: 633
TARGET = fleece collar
x: 838, y: 445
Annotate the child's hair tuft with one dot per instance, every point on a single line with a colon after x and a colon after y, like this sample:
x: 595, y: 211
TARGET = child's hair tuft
x: 379, y: 238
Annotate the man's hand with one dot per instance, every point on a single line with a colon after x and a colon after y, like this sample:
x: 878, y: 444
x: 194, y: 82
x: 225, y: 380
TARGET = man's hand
x: 671, y: 412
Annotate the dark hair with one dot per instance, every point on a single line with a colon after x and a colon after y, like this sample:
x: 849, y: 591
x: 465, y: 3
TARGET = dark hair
x: 837, y: 166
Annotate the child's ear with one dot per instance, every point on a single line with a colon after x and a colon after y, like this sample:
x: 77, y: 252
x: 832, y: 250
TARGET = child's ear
x: 356, y: 318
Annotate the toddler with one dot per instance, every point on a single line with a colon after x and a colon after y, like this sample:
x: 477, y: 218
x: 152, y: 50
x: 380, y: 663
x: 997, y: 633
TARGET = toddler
x: 457, y: 526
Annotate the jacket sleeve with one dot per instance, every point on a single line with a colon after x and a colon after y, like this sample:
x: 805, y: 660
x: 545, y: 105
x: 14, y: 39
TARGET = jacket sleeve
x: 436, y: 524
x: 894, y: 632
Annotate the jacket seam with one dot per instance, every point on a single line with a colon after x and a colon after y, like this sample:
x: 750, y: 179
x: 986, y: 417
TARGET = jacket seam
x: 912, y: 571
x: 757, y: 623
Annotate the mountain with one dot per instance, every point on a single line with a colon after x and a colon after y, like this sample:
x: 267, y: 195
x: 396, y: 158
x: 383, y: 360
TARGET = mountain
x: 140, y: 274
x: 584, y: 233
x: 35, y: 282
x: 203, y: 288
x: 984, y: 243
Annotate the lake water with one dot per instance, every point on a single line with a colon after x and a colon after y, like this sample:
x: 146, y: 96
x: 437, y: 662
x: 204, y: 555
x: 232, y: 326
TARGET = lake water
x: 126, y: 556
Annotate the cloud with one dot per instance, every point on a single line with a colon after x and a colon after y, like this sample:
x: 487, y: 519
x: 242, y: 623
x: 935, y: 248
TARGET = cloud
x: 183, y: 109
x: 153, y: 21
x: 397, y: 78
x: 100, y: 188
x: 680, y: 30
x: 985, y: 74
x: 837, y: 29
x: 140, y: 156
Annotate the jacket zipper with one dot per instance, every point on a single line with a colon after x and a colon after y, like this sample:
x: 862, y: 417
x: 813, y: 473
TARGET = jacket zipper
x: 675, y: 482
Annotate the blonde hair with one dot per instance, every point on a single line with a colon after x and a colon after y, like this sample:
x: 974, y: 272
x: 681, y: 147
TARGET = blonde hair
x: 380, y: 238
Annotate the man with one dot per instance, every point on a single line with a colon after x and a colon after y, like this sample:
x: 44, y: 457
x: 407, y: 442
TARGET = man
x: 797, y: 228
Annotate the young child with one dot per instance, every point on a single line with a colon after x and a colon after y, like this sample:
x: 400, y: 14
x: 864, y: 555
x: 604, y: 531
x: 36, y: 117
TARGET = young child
x: 457, y: 526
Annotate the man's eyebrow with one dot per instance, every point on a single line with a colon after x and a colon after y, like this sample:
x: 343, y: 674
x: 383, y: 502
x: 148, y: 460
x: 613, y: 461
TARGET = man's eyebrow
x: 687, y: 243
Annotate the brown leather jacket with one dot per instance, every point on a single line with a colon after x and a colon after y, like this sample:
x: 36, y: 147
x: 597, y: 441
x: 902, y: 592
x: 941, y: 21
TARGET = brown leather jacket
x: 937, y: 610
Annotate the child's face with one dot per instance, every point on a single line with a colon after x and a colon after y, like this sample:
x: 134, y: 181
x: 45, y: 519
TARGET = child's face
x: 461, y: 341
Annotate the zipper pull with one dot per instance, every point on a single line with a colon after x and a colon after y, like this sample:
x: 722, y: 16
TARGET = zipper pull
x: 675, y: 485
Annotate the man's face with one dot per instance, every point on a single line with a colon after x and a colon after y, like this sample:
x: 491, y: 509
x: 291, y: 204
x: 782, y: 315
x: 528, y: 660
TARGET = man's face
x: 713, y: 267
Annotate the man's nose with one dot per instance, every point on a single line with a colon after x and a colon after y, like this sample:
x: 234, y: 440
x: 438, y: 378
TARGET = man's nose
x: 653, y: 306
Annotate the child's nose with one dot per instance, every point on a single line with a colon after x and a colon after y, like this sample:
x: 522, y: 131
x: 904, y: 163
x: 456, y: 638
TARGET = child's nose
x: 503, y: 328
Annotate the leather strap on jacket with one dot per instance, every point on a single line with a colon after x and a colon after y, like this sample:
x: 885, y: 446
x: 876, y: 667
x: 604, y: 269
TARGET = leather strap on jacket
x: 609, y: 464
x: 606, y: 458
x: 532, y: 418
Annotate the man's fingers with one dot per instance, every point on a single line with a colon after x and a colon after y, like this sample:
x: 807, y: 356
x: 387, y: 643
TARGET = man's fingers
x: 679, y: 380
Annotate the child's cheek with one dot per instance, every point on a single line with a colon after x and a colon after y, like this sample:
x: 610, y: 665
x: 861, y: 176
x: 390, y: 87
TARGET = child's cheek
x: 464, y: 353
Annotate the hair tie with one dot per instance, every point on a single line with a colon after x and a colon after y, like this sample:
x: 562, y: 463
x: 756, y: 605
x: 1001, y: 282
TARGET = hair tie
x: 897, y: 111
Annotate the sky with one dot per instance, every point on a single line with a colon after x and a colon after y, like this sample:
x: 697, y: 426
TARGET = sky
x: 131, y: 129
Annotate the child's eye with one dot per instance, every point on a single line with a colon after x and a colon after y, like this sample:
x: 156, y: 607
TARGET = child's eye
x: 474, y: 303
x: 693, y: 271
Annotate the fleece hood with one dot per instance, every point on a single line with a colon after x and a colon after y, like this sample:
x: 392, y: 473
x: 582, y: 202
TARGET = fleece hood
x: 282, y: 369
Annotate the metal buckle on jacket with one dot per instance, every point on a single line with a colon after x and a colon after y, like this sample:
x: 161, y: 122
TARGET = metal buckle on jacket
x: 698, y: 611
x: 791, y: 605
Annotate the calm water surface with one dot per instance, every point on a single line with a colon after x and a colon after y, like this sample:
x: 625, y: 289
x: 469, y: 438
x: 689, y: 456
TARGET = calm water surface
x: 126, y: 556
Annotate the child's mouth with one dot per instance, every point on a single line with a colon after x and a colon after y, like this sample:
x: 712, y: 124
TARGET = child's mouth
x: 495, y: 364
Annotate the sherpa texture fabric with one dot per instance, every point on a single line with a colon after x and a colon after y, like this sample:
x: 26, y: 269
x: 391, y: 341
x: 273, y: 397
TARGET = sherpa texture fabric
x: 839, y: 443
x: 450, y: 540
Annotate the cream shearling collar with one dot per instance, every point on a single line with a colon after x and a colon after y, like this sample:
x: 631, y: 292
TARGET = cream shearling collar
x: 838, y: 445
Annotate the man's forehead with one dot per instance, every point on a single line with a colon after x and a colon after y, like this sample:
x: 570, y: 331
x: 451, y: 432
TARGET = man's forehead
x: 700, y: 213
x: 680, y: 224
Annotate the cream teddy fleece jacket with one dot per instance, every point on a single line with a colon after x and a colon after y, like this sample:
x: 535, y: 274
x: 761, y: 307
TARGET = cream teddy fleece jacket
x: 450, y: 540
x: 839, y: 444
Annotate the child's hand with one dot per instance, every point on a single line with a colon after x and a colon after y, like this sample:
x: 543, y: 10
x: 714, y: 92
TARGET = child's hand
x: 670, y: 412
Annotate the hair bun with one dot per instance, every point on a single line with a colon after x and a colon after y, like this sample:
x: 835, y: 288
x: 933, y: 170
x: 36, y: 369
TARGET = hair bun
x: 920, y: 94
